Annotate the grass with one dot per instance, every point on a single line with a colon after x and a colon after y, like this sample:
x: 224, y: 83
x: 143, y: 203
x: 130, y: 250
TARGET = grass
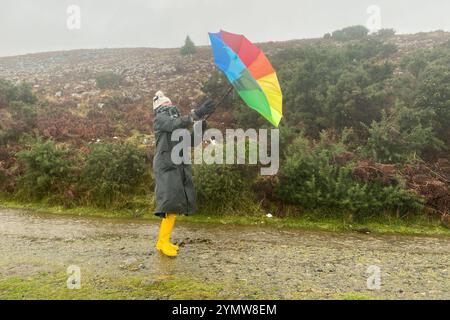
x: 352, y: 296
x: 385, y: 224
x: 86, y: 211
x: 382, y: 225
x: 53, y: 286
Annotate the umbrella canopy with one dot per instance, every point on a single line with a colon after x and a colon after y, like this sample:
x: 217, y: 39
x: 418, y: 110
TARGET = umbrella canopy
x: 250, y: 73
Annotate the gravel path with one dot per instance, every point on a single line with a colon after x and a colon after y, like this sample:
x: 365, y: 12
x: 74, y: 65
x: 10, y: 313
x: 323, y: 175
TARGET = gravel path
x: 287, y: 264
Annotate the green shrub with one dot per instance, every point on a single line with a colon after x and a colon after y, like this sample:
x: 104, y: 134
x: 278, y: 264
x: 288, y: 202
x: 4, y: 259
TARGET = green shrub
x: 25, y: 113
x: 425, y: 84
x: 6, y: 92
x: 434, y: 93
x: 17, y: 111
x: 48, y: 171
x: 21, y: 119
x: 318, y: 176
x: 405, y: 134
x: 24, y: 94
x: 223, y: 189
x: 385, y: 33
x: 328, y: 87
x: 112, y: 172
x: 188, y: 48
x: 10, y: 92
x: 108, y: 80
x: 350, y: 33
x: 370, y: 48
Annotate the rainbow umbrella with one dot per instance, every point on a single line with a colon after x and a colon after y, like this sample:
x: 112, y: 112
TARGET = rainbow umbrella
x: 250, y: 73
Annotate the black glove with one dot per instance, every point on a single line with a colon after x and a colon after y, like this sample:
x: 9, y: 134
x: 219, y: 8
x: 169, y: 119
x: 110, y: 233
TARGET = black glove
x: 207, y: 108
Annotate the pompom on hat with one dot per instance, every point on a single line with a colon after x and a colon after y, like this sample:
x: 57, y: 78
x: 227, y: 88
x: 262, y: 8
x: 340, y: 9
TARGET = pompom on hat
x: 160, y: 99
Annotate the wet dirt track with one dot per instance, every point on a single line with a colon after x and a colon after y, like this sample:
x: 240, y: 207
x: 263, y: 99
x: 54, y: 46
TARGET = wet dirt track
x: 247, y: 261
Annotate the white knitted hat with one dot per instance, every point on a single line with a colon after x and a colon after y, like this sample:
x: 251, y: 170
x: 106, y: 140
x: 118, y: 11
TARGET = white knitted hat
x: 160, y: 99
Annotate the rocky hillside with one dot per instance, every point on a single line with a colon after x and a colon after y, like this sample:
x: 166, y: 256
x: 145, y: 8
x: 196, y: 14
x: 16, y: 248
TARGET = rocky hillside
x: 68, y: 77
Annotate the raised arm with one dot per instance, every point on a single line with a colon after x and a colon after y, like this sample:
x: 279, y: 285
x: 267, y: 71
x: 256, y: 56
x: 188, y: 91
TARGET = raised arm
x: 164, y: 122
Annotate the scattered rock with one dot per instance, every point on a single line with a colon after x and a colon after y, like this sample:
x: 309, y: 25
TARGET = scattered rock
x: 131, y: 264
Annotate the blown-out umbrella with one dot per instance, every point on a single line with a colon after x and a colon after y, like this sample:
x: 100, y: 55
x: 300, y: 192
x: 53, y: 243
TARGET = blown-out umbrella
x: 250, y: 72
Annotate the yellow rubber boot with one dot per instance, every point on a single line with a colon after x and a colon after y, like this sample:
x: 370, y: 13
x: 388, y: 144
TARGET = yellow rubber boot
x: 163, y: 245
x: 172, y: 217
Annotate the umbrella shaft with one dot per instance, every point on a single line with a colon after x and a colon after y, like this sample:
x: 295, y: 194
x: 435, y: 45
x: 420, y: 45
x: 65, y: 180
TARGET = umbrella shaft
x: 222, y: 99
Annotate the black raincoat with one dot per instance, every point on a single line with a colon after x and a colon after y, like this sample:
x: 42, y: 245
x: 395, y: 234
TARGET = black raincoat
x: 174, y: 185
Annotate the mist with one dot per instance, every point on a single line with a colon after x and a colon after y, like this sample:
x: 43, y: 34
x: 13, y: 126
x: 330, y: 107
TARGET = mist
x: 36, y: 26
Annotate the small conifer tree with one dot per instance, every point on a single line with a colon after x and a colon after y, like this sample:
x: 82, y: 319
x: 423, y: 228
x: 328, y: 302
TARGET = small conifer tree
x: 188, y: 48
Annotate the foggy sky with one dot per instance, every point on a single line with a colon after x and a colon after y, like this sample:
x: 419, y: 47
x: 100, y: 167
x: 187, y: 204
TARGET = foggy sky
x: 28, y: 26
